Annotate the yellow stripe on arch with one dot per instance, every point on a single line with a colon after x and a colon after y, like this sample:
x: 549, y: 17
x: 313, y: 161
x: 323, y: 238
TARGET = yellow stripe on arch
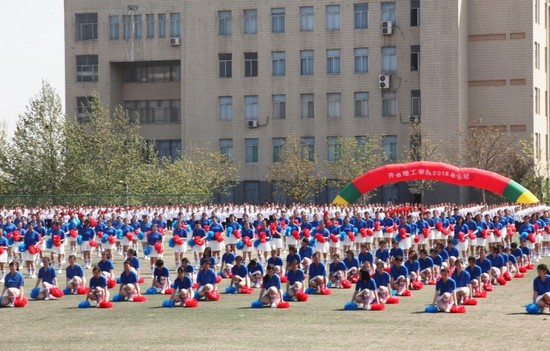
x: 338, y: 200
x: 527, y: 198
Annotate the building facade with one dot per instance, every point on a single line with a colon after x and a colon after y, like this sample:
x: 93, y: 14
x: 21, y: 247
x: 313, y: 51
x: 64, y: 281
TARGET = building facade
x: 241, y: 76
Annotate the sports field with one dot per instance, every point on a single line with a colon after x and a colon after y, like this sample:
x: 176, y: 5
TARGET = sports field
x: 498, y: 322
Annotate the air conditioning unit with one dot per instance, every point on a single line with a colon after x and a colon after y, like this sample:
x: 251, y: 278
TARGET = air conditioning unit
x: 253, y: 124
x: 384, y: 81
x: 175, y: 41
x: 387, y: 27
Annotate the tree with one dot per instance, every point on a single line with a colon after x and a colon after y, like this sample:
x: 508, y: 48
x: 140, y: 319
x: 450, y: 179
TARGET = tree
x: 198, y: 171
x: 4, y: 186
x: 352, y: 157
x: 531, y: 170
x: 423, y: 147
x: 488, y: 148
x: 296, y: 172
x: 107, y: 155
x: 37, y: 151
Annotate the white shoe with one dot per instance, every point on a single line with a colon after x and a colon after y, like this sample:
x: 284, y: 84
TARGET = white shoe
x: 360, y: 305
x: 131, y: 299
x: 33, y: 276
x: 47, y: 298
x: 2, y: 281
x: 273, y: 305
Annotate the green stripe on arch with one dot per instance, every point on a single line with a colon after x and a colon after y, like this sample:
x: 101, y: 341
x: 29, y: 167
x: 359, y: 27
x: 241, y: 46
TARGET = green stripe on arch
x: 513, y: 191
x: 350, y: 193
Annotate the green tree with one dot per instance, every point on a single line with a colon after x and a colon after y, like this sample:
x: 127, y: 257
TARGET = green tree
x: 4, y: 186
x: 199, y: 171
x: 423, y: 147
x: 37, y: 152
x: 531, y: 170
x: 296, y: 172
x: 351, y: 157
x: 107, y: 154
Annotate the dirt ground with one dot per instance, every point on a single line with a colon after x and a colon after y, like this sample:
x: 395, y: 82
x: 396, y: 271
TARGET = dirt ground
x: 498, y: 322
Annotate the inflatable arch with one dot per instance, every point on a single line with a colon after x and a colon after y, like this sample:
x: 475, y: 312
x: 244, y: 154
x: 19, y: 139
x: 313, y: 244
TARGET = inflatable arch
x: 436, y: 171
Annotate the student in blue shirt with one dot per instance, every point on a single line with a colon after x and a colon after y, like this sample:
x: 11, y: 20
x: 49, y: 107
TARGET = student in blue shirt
x: 183, y: 288
x: 317, y: 273
x: 498, y: 267
x: 13, y: 285
x: 337, y: 271
x: 413, y: 266
x: 88, y: 234
x: 129, y: 282
x: 475, y: 275
x: 32, y: 238
x: 98, y: 287
x: 366, y: 259
x: 485, y: 265
x: 255, y: 272
x: 295, y: 282
x: 154, y: 238
x: 426, y: 267
x: 271, y: 293
x: 445, y: 296
x: 352, y: 264
x: 437, y: 261
x: 399, y: 276
x: 382, y: 254
x: 366, y: 291
x: 74, y: 274
x: 292, y: 255
x: 541, y: 287
x: 228, y: 260
x: 48, y: 277
x: 161, y: 276
x: 462, y: 279
x: 180, y: 242
x: 382, y: 280
x: 134, y: 261
x: 277, y: 262
x: 239, y: 273
x: 106, y: 265
x: 206, y: 280
x: 306, y: 253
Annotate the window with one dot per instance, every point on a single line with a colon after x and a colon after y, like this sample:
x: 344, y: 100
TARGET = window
x: 278, y: 20
x: 334, y: 149
x: 86, y: 26
x: 362, y: 142
x: 82, y: 104
x: 226, y: 65
x: 333, y: 17
x: 150, y: 26
x: 415, y: 13
x: 87, y: 68
x: 114, y: 27
x: 127, y: 26
x: 175, y: 25
x: 389, y: 59
x: 308, y: 148
x: 388, y: 11
x: 252, y: 192
x: 138, y: 22
x: 389, y: 104
x: 333, y: 105
x: 250, y: 64
x: 415, y: 103
x: 152, y: 71
x: 361, y: 15
x: 361, y: 60
x: 537, y: 11
x: 154, y: 111
x: 415, y: 58
x: 389, y: 143
x: 361, y: 104
x: 226, y: 149
x: 224, y: 23
x: 537, y: 101
x: 278, y: 60
x: 306, y: 19
x: 251, y: 108
x: 279, y: 106
x: 333, y: 61
x: 250, y: 22
x: 251, y: 150
x: 537, y: 55
x: 278, y: 144
x: 389, y: 193
x: 162, y: 25
x: 307, y: 63
x: 307, y: 102
x: 226, y: 108
x: 170, y: 149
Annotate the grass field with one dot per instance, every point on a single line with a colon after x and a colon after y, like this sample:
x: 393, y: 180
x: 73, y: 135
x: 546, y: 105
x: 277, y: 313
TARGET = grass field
x: 498, y: 322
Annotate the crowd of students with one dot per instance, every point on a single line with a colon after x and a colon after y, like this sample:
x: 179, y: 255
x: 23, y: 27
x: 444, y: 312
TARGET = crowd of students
x: 385, y: 251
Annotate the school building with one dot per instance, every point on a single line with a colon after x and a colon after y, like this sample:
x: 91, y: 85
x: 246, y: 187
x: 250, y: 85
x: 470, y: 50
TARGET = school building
x: 240, y: 76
